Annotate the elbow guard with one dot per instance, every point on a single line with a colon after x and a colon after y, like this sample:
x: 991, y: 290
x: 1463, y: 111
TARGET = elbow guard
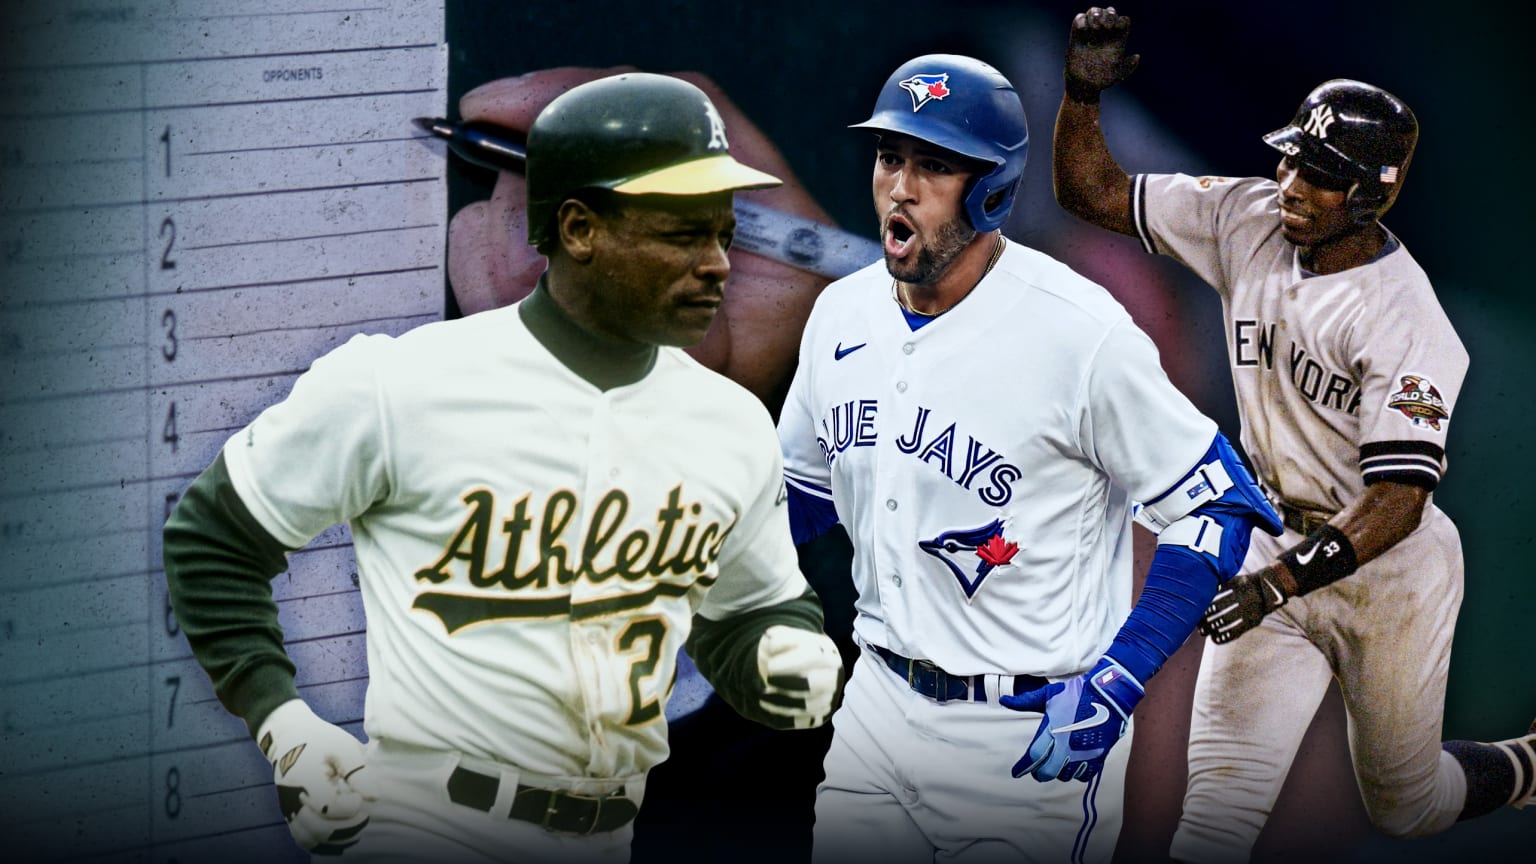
x: 1212, y: 510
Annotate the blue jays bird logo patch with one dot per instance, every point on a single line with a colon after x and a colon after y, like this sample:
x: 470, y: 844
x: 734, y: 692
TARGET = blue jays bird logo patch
x: 1420, y: 402
x: 925, y: 88
x: 972, y: 553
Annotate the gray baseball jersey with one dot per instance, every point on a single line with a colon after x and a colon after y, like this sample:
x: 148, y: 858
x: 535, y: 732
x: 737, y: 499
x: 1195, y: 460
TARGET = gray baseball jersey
x: 1340, y: 378
x: 532, y: 549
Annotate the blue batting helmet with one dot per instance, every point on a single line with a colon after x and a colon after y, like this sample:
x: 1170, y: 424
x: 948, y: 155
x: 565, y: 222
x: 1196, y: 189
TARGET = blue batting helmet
x: 965, y: 106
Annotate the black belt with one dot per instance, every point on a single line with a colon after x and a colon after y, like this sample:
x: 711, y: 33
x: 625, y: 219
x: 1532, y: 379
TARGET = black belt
x: 565, y: 812
x: 931, y: 681
x: 1303, y: 521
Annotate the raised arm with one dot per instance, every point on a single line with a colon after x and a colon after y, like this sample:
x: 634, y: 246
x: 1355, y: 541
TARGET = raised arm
x: 1089, y: 183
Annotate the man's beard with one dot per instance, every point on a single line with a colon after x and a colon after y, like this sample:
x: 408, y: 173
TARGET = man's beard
x: 934, y: 258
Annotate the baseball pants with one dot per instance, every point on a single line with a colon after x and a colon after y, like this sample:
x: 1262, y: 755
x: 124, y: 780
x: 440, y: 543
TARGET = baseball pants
x: 910, y: 780
x: 414, y: 819
x: 1385, y: 633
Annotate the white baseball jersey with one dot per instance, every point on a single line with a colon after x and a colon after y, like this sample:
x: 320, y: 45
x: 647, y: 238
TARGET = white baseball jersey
x: 984, y: 464
x: 1339, y: 378
x: 531, y: 549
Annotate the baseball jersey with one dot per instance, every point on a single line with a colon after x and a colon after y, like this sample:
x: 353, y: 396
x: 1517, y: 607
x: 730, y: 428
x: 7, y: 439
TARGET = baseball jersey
x: 1342, y: 379
x: 531, y: 548
x: 984, y: 464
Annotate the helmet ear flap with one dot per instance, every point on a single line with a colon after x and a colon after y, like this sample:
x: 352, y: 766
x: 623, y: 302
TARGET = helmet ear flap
x: 991, y: 196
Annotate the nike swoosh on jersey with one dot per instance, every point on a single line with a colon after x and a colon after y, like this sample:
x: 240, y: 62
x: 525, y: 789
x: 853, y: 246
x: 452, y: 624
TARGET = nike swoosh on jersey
x: 1307, y: 558
x: 1100, y: 714
x: 840, y: 352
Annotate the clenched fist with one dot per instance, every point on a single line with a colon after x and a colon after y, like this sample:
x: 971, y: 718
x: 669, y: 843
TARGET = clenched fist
x: 1096, y: 57
x: 802, y: 674
x: 322, y: 785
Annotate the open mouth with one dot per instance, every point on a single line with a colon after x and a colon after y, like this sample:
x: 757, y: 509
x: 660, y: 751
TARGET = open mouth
x: 898, y: 236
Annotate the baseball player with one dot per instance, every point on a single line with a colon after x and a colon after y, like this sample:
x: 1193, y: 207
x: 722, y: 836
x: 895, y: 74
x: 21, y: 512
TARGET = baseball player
x: 980, y: 419
x: 1347, y: 375
x: 547, y: 501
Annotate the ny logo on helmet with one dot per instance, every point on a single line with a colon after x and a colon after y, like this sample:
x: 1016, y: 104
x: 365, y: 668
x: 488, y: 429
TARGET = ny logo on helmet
x: 1318, y: 121
x: 716, y: 128
x: 925, y: 88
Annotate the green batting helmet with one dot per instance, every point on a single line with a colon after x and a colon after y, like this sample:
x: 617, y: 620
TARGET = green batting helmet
x: 635, y: 134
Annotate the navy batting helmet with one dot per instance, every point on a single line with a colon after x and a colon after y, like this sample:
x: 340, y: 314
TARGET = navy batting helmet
x: 636, y: 134
x: 965, y: 106
x: 1356, y: 132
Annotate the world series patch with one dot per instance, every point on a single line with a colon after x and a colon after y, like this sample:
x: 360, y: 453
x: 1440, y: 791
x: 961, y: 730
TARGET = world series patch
x: 1420, y: 402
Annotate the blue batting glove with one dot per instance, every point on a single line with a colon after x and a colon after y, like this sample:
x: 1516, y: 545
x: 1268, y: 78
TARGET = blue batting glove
x: 1084, y: 717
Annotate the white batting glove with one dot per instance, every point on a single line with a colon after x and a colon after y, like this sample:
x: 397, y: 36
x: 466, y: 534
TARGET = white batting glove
x: 322, y: 787
x: 802, y: 674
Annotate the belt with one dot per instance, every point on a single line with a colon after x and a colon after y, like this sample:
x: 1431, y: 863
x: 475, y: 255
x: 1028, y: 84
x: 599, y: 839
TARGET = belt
x: 1303, y: 521
x: 552, y: 810
x: 931, y: 681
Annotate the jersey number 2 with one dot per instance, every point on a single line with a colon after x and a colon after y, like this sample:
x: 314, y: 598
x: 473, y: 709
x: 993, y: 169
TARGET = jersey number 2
x: 654, y: 632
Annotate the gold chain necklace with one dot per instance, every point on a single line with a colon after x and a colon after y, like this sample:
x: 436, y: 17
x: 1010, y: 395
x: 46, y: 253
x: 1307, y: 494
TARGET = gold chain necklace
x: 899, y: 291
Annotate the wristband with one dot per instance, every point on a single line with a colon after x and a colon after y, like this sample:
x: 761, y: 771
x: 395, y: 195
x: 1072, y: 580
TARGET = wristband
x: 1325, y: 557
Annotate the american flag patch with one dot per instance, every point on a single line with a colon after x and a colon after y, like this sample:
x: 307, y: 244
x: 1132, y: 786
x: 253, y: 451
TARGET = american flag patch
x: 1388, y: 174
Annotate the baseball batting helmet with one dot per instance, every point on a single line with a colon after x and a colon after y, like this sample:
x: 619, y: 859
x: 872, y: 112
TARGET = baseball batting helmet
x: 636, y: 134
x: 965, y: 106
x: 1356, y: 132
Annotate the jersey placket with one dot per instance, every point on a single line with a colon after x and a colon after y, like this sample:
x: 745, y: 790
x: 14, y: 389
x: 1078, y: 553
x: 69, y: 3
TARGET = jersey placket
x: 893, y: 561
x: 590, y: 637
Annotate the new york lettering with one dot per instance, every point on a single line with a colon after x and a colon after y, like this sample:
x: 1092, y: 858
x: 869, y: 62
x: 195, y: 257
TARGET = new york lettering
x: 1253, y: 344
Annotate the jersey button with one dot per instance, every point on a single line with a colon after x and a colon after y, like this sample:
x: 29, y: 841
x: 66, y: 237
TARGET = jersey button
x: 896, y: 579
x: 908, y: 348
x: 890, y: 503
x: 901, y: 386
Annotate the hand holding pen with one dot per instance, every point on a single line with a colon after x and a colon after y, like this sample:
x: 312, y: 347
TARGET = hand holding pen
x: 757, y: 333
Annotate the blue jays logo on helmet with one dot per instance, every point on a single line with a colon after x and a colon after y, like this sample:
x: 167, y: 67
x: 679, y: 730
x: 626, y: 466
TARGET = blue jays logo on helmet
x: 924, y: 88
x: 974, y: 551
x: 969, y: 109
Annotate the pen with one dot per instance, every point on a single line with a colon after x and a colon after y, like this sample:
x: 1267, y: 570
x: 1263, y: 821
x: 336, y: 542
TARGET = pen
x: 793, y: 240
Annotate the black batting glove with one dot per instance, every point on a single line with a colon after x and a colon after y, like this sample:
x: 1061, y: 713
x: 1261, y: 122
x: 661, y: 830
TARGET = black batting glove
x: 1096, y: 57
x: 1242, y: 603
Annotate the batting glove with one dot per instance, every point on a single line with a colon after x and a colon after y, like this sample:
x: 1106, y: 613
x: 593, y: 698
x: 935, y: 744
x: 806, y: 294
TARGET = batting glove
x: 322, y: 788
x: 1242, y: 603
x: 1096, y: 57
x: 1084, y: 717
x: 802, y: 674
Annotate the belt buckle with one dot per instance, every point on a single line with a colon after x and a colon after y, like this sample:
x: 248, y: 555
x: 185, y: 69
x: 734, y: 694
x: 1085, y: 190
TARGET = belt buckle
x: 914, y: 665
x: 551, y: 808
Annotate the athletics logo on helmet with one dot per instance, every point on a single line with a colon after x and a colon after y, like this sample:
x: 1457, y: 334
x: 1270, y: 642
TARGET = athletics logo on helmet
x: 926, y: 87
x: 1358, y: 133
x: 968, y: 108
x: 635, y: 134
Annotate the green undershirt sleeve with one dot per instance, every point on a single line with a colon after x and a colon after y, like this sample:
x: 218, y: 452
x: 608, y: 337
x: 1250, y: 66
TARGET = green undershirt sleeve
x: 726, y: 651
x: 219, y: 564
